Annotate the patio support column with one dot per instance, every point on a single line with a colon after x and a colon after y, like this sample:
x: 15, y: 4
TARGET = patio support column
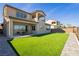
x: 37, y: 25
x: 37, y: 16
x: 29, y: 29
x: 10, y: 30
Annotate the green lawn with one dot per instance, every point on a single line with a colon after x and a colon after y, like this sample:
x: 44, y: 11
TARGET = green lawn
x: 40, y: 45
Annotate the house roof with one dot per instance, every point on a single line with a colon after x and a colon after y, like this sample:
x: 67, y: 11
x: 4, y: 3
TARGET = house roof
x: 39, y: 11
x: 6, y: 5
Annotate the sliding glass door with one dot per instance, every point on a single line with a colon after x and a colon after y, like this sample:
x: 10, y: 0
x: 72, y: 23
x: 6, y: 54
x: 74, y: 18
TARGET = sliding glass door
x: 19, y: 29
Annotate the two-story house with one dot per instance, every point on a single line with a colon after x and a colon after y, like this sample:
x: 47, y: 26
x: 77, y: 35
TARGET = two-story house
x: 19, y: 22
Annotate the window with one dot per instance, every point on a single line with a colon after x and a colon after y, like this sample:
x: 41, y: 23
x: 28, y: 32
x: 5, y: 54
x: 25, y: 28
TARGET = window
x: 17, y: 14
x: 26, y: 28
x: 16, y: 27
x: 19, y: 27
x: 20, y: 15
x: 33, y: 28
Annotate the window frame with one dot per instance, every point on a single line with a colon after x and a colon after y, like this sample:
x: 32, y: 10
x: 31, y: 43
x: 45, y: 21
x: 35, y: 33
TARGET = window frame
x: 21, y: 15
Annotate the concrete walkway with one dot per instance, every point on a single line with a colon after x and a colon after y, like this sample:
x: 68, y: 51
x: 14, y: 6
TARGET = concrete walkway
x: 5, y: 48
x: 71, y: 47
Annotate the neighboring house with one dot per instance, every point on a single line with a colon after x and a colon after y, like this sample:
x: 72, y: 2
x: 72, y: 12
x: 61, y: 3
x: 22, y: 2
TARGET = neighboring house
x: 19, y: 22
x: 54, y: 24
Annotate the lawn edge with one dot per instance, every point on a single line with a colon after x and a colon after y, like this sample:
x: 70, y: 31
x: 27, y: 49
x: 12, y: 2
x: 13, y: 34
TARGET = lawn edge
x: 9, y: 41
x: 65, y: 43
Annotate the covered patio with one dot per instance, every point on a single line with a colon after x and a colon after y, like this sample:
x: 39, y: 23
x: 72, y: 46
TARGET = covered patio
x: 23, y: 28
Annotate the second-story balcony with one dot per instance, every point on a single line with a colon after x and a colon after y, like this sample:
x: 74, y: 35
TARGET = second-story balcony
x: 38, y: 15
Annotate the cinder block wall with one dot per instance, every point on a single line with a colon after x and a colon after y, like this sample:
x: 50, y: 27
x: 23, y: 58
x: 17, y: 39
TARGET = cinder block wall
x: 70, y: 29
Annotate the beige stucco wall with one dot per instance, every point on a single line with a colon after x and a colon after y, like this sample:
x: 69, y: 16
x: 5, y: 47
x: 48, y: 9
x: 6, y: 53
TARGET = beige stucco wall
x: 8, y: 11
x: 5, y: 11
x: 10, y: 28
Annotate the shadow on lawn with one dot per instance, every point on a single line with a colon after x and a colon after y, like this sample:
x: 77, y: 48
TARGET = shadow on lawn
x: 58, y: 30
x: 39, y: 35
x: 9, y: 41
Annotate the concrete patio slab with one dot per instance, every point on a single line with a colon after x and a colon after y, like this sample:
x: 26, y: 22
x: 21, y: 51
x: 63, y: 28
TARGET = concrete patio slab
x: 5, y: 48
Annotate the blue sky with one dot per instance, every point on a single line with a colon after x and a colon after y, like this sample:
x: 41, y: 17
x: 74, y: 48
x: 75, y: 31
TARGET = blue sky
x: 66, y: 13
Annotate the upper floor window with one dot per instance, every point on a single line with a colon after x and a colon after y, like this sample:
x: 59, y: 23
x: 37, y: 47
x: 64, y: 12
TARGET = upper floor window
x: 20, y: 15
